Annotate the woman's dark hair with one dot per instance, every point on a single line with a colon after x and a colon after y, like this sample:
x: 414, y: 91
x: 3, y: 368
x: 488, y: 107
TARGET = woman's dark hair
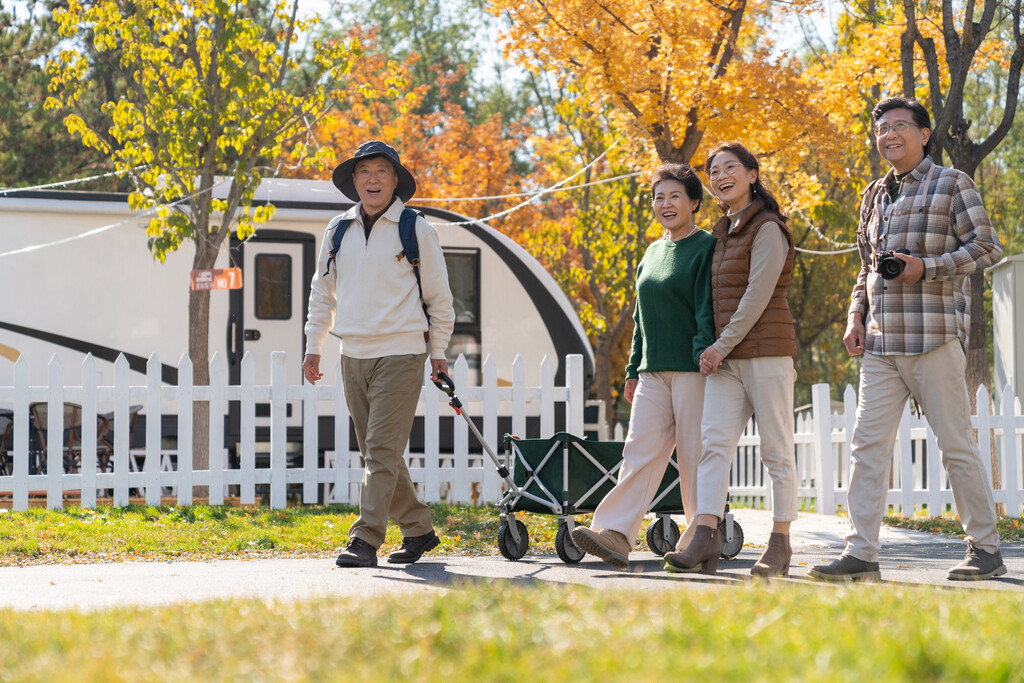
x: 920, y: 115
x: 749, y: 161
x: 681, y: 173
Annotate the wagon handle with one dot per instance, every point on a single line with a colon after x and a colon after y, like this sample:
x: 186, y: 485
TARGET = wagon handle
x: 445, y: 384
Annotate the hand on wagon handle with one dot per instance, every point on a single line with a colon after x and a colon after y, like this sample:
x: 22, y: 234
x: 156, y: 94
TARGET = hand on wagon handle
x: 311, y: 367
x: 438, y: 365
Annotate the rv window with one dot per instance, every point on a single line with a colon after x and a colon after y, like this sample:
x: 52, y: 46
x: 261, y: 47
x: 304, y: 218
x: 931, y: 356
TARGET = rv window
x: 464, y: 279
x: 273, y: 287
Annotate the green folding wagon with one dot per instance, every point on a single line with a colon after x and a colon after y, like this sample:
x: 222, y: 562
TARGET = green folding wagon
x: 566, y: 475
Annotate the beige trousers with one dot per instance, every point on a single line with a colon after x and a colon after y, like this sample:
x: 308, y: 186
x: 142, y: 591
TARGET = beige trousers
x: 381, y: 394
x: 937, y: 380
x: 666, y: 414
x: 762, y: 387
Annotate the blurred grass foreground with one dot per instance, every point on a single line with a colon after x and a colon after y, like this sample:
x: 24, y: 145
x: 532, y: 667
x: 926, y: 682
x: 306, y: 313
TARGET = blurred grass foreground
x: 495, y: 631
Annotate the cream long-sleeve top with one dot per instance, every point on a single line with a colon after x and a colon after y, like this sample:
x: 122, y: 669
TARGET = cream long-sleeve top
x: 369, y: 296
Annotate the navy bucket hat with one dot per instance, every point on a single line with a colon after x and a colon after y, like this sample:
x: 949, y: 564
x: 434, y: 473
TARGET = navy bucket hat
x: 342, y: 176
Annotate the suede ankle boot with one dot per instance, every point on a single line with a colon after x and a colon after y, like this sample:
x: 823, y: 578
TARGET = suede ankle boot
x: 701, y: 555
x: 776, y: 557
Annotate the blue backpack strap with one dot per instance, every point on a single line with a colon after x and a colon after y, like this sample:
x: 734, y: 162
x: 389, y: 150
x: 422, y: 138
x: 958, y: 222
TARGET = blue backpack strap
x: 411, y: 248
x: 339, y: 232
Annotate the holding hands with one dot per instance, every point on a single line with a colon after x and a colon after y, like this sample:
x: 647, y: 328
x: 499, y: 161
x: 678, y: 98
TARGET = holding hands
x: 710, y: 361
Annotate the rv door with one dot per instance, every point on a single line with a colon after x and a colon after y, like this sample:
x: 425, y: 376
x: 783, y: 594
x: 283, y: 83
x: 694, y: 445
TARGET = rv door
x: 269, y: 314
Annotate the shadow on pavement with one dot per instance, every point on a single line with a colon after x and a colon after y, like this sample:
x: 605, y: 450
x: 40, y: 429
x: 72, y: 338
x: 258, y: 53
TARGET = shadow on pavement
x: 436, y: 573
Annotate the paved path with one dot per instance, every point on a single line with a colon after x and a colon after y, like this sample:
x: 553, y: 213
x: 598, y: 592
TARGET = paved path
x: 909, y: 557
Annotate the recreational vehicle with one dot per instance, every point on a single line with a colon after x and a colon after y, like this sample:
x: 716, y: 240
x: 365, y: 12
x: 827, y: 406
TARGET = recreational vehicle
x: 77, y: 278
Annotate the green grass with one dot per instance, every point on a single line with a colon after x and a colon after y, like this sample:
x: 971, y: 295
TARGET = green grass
x: 139, y: 533
x: 108, y: 534
x: 499, y: 632
x: 1010, y: 528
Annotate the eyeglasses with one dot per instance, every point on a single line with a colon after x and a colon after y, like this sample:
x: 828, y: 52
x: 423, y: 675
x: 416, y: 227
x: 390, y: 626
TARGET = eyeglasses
x: 728, y: 169
x: 900, y: 127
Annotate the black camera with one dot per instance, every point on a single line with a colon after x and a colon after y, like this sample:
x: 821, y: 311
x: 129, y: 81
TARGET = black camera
x: 890, y: 267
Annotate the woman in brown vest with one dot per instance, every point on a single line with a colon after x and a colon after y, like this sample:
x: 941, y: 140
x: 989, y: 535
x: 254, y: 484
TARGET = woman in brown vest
x: 750, y: 365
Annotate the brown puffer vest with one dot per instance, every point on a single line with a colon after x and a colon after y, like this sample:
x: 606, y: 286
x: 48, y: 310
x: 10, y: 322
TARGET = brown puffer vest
x: 773, y: 333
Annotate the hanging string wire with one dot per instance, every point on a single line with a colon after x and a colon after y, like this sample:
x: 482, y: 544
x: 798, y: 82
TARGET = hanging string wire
x: 96, y: 231
x: 834, y: 243
x: 516, y: 195
x: 65, y: 183
x: 105, y: 228
x: 543, y: 192
x: 824, y: 253
x: 845, y: 247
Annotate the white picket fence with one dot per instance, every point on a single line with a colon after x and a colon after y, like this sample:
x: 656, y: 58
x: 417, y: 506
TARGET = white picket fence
x: 458, y: 476
x: 917, y: 480
x: 822, y: 441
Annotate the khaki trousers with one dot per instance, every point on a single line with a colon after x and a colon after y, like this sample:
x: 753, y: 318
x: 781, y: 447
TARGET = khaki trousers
x: 666, y: 413
x: 762, y: 387
x: 938, y: 380
x: 381, y: 394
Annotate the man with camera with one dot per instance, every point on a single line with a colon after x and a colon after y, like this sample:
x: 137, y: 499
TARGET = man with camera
x: 923, y: 229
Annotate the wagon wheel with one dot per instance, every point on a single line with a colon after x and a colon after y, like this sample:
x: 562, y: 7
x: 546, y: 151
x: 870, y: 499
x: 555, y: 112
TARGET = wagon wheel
x: 566, y: 549
x: 511, y: 550
x: 658, y: 540
x: 731, y: 550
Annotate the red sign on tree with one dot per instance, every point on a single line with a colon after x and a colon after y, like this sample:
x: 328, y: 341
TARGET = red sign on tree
x: 218, y: 278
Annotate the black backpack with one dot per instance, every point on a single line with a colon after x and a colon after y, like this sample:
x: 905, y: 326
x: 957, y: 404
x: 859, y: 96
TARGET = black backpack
x: 406, y: 234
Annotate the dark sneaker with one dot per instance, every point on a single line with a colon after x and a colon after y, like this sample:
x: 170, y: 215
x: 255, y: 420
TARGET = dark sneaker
x: 847, y: 568
x: 358, y: 553
x: 413, y: 548
x: 978, y: 565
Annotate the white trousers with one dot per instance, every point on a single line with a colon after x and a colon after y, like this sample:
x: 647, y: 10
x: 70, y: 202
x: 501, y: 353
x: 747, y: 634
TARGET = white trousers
x: 937, y: 380
x: 762, y: 387
x: 667, y: 408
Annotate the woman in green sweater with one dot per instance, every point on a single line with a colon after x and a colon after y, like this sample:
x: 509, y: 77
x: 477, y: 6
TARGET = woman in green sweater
x: 674, y: 323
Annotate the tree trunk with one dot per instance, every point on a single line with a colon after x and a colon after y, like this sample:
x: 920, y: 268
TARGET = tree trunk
x: 603, y: 379
x: 199, y: 354
x: 978, y: 371
x: 873, y: 156
x: 979, y: 374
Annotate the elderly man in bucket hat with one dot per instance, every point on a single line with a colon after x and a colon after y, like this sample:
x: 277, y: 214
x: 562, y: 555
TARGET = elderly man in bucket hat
x: 366, y: 293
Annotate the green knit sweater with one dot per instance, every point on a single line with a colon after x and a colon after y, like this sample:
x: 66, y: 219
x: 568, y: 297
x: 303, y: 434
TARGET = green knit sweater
x: 674, y: 316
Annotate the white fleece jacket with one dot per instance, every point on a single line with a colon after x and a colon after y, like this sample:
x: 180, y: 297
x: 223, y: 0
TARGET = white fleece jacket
x: 370, y: 299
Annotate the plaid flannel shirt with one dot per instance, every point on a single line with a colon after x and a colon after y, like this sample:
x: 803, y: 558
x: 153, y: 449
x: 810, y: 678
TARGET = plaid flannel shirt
x: 938, y: 217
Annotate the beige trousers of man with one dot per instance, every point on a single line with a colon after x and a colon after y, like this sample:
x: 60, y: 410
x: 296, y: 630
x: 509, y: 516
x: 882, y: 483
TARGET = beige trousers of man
x: 666, y: 414
x: 762, y: 387
x: 937, y: 379
x: 381, y: 394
